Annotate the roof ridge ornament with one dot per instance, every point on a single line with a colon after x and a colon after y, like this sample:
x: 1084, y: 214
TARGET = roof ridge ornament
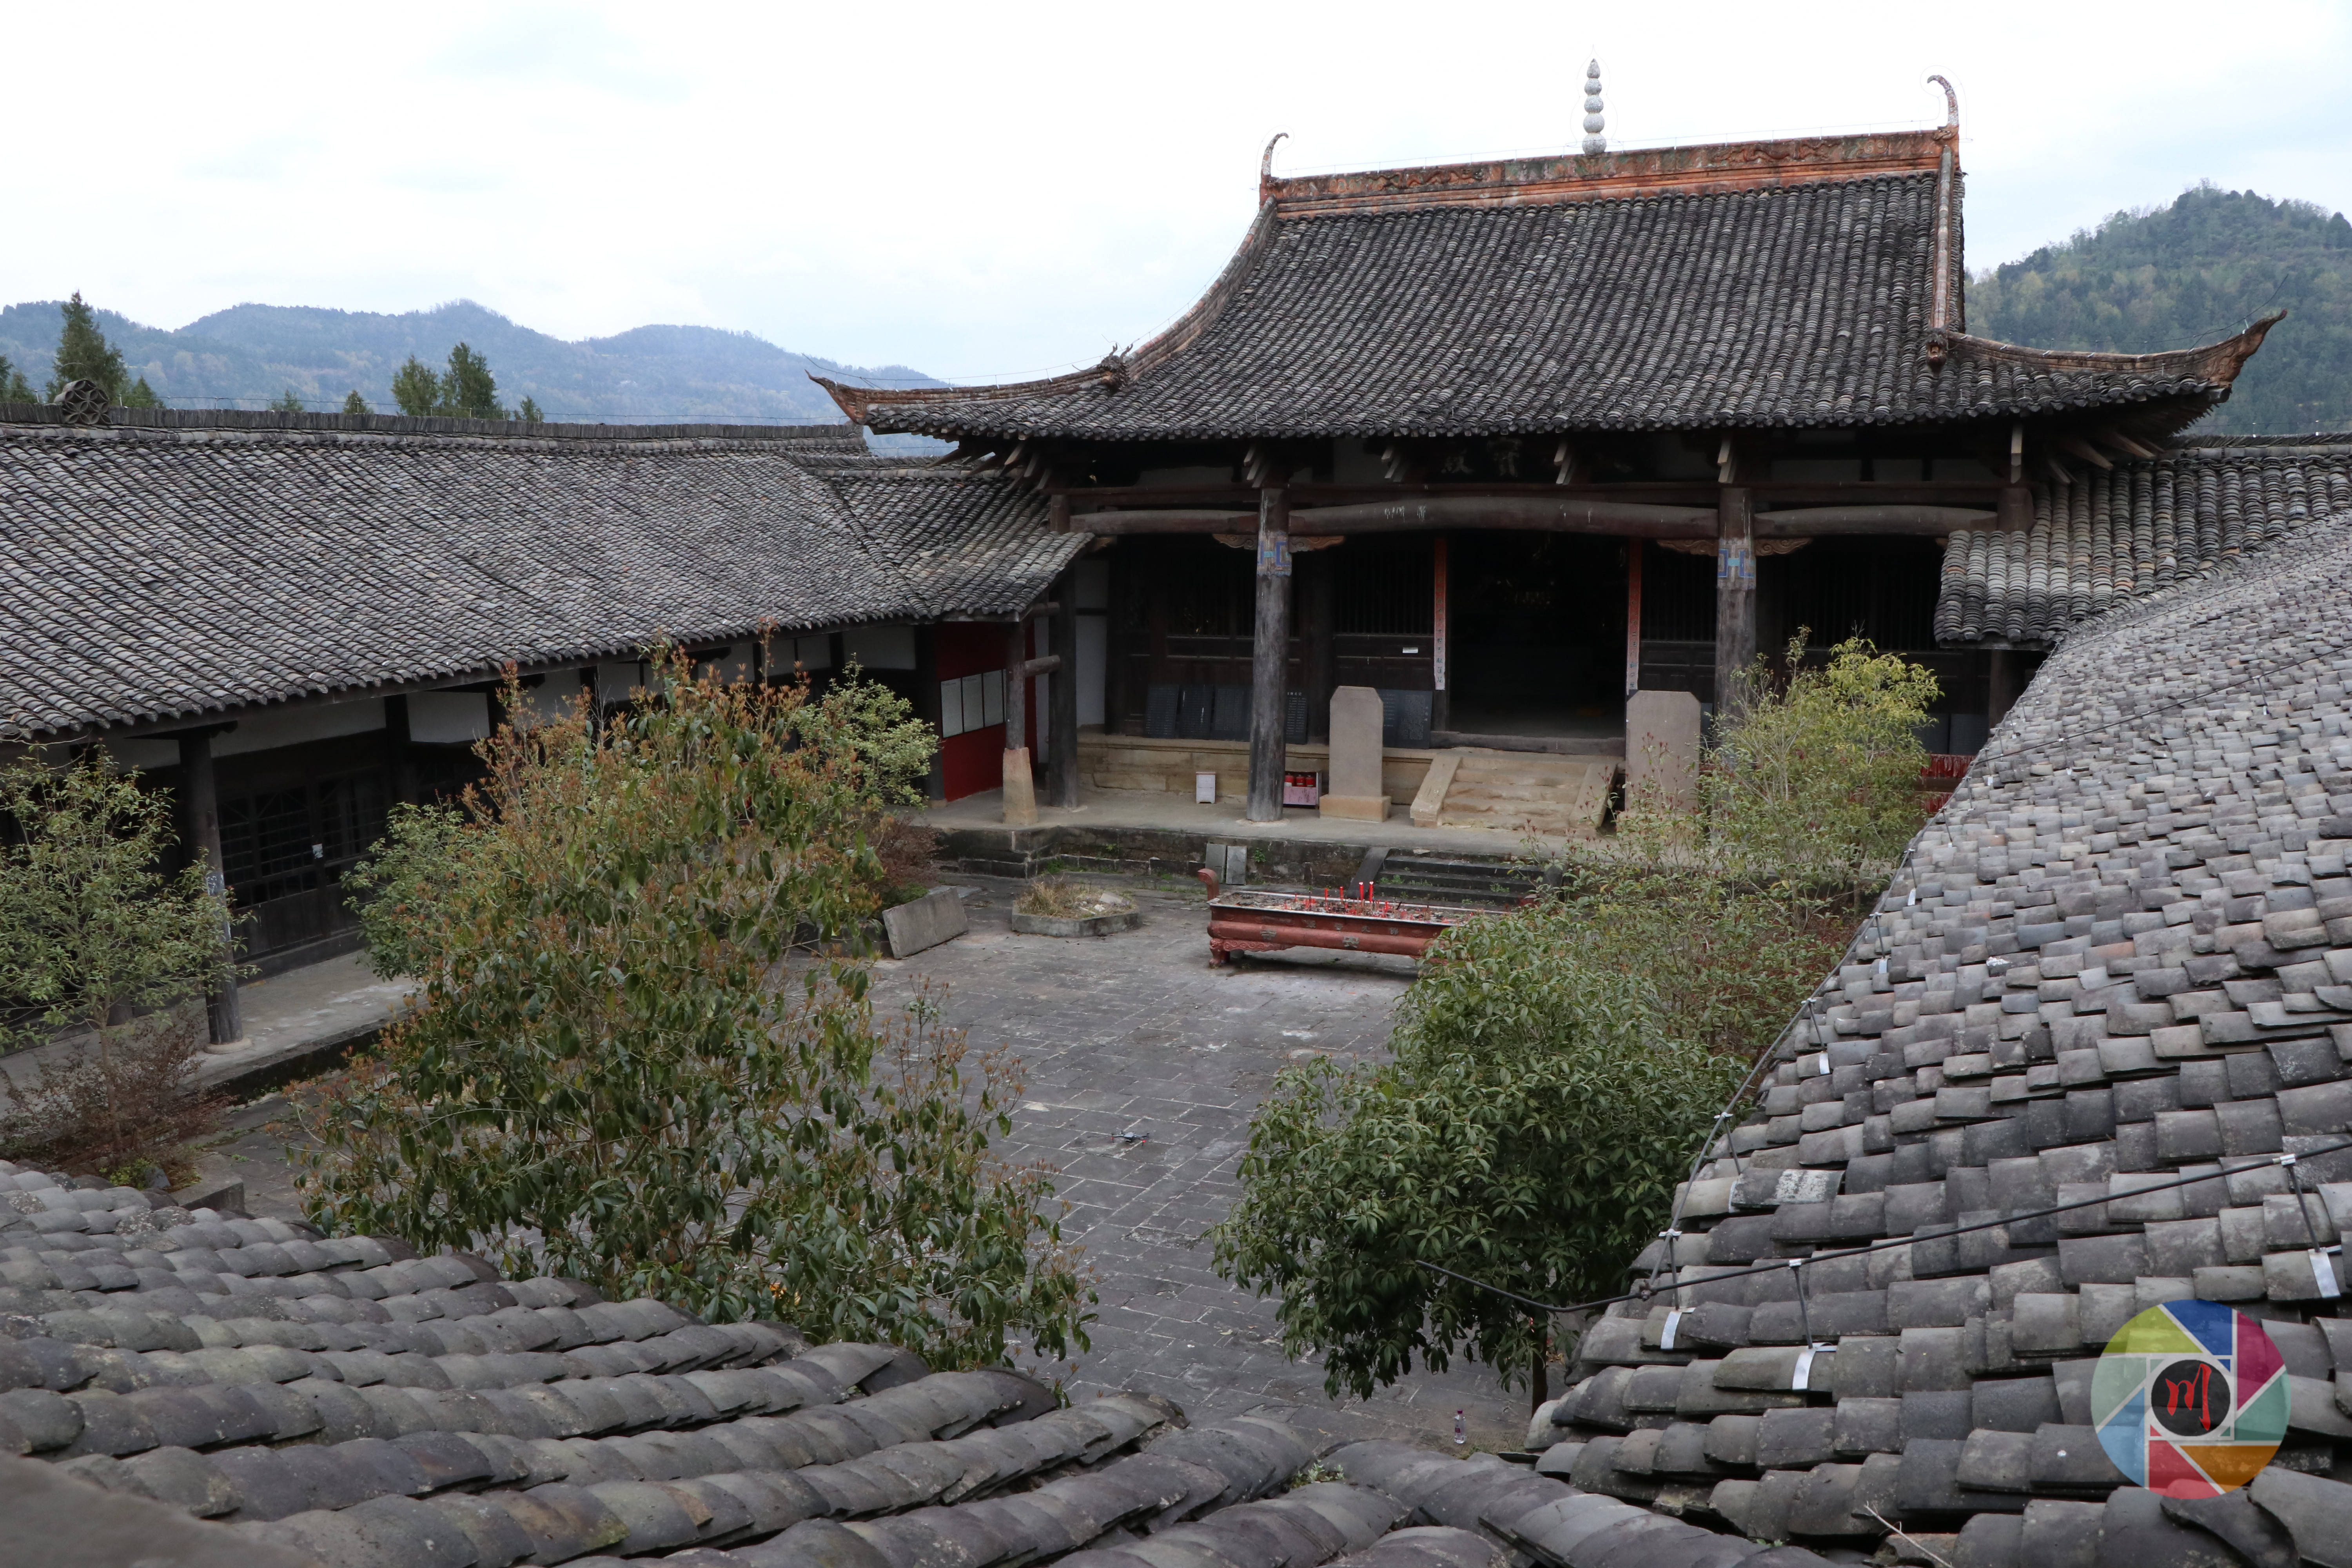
x: 82, y: 402
x: 1951, y: 103
x: 1266, y: 167
x: 1594, y: 142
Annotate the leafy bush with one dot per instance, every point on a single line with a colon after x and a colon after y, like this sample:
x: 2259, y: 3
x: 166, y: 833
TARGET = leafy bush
x: 1722, y: 963
x: 627, y: 1063
x: 867, y: 719
x: 97, y: 945
x: 1528, y: 1131
x: 1812, y: 786
x: 1556, y: 1068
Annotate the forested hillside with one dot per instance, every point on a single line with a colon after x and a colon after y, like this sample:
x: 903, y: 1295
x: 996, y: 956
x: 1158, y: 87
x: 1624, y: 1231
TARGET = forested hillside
x: 248, y: 354
x: 2197, y: 270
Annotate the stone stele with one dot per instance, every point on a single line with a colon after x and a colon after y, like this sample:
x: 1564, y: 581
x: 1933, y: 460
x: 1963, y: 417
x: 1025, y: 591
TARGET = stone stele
x: 1355, y: 791
x: 1662, y: 731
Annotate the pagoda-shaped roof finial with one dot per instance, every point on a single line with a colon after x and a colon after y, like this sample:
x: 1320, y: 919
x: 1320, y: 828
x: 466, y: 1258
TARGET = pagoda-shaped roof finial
x: 1593, y: 124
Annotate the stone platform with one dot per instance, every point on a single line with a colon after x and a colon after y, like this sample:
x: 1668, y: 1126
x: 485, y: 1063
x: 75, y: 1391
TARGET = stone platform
x: 1142, y: 833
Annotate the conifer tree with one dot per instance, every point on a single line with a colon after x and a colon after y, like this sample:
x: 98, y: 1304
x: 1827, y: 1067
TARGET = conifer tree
x: 469, y: 391
x: 355, y: 404
x: 14, y: 387
x: 140, y: 395
x: 84, y: 354
x: 416, y: 389
x: 286, y: 403
x: 528, y: 413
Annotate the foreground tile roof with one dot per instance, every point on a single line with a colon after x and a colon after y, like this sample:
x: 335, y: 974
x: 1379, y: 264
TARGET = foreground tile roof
x: 2120, y: 956
x: 192, y: 563
x: 346, y: 1402
x: 2114, y: 536
x: 1749, y: 286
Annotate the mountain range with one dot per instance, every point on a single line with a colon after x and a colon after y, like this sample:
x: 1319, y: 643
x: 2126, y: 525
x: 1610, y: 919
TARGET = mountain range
x: 2156, y: 277
x: 2192, y: 272
x: 247, y: 354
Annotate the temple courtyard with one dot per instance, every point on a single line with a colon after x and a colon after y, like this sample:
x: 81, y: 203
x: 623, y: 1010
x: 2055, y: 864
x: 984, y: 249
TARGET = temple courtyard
x: 1142, y: 1066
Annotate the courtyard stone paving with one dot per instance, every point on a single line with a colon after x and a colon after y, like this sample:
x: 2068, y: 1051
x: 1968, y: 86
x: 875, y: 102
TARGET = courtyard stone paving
x: 1142, y: 1066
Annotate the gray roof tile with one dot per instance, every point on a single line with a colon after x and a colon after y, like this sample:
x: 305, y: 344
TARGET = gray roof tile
x: 2112, y: 536
x: 551, y: 1424
x: 1548, y: 307
x: 149, y: 574
x: 2154, y: 799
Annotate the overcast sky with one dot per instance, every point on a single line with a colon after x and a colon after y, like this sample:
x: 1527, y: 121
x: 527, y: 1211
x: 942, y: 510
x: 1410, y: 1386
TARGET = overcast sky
x: 1004, y: 190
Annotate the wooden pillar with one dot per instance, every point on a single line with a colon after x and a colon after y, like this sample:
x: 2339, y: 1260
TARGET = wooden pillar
x: 1634, y: 551
x: 1318, y: 613
x: 1115, y: 651
x: 926, y: 700
x: 1270, y: 656
x: 1020, y: 783
x: 399, y: 762
x: 1441, y: 700
x: 1735, y: 599
x: 200, y: 832
x: 1062, y: 741
x: 2001, y: 685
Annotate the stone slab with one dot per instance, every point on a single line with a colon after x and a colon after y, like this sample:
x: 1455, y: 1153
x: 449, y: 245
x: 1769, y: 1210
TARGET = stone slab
x: 937, y: 916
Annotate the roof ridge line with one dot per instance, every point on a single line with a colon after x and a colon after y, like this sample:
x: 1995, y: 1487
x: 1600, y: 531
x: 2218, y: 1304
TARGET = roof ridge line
x: 255, y: 421
x: 1706, y: 169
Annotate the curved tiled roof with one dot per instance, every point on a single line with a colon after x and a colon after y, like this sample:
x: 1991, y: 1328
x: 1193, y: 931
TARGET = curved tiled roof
x: 2114, y: 536
x: 158, y: 571
x: 196, y: 1388
x: 1756, y: 285
x: 963, y: 543
x: 2114, y: 972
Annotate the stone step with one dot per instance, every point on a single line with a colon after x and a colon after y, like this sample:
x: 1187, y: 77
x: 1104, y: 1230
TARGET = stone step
x: 1556, y: 798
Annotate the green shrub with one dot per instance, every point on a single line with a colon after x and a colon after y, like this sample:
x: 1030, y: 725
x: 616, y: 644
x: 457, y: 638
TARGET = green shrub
x: 1557, y: 1067
x: 628, y: 1064
x: 98, y: 946
x: 1813, y: 784
x: 1528, y: 1133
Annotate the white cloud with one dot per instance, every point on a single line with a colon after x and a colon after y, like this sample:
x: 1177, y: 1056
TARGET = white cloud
x: 1012, y: 189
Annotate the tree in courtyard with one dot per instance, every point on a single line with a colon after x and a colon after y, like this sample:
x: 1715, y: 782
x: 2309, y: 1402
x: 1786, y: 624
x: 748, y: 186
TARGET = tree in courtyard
x: 288, y: 402
x: 1815, y: 786
x: 1528, y: 1133
x: 97, y: 945
x: 630, y: 1061
x: 1556, y: 1069
x: 528, y: 413
x: 354, y: 403
x: 14, y: 387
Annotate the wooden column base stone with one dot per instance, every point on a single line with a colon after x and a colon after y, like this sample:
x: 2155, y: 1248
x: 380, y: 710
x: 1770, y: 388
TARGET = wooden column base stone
x: 1020, y: 790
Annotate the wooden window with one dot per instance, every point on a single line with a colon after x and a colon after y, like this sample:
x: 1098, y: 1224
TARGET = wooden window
x: 279, y: 842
